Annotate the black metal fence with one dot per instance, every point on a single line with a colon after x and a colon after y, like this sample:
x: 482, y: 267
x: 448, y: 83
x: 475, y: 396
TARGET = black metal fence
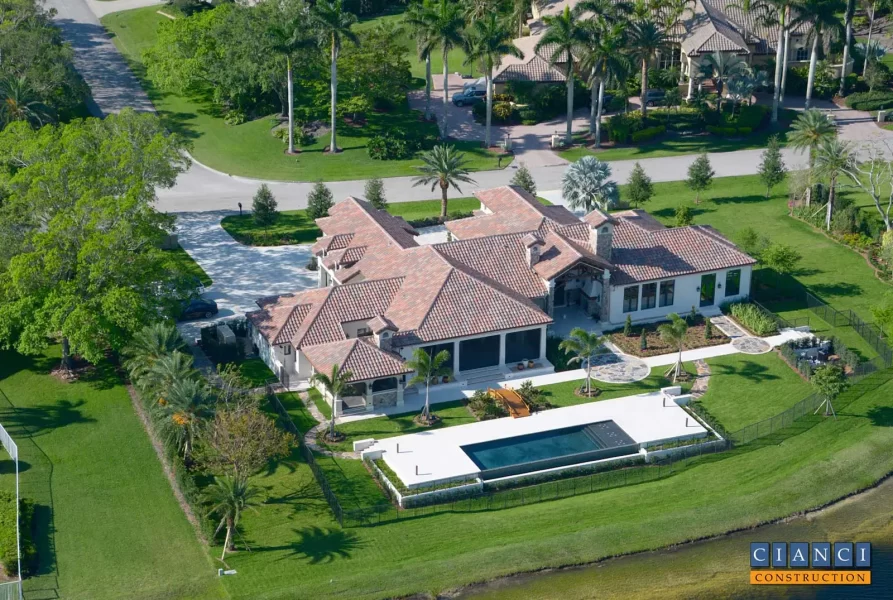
x: 872, y: 334
x: 307, y: 455
x: 780, y: 321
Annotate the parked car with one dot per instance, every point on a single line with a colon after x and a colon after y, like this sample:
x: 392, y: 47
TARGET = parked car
x: 198, y: 308
x: 654, y: 97
x: 469, y: 96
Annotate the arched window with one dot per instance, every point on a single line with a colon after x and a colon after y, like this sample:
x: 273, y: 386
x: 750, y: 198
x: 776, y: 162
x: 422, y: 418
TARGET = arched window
x: 802, y: 54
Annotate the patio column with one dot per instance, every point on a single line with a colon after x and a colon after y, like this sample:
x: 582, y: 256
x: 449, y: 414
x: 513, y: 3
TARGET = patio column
x: 606, y: 296
x: 502, y: 349
x: 550, y: 300
x: 543, y: 335
x: 456, y: 356
x: 369, y: 402
x: 399, y: 392
x: 690, y: 80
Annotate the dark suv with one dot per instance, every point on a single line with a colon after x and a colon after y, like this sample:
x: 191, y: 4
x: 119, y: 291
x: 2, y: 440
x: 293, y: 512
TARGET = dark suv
x: 654, y: 97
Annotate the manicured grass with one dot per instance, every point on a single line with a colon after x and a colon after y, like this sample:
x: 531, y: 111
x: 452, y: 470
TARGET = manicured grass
x: 562, y: 394
x: 351, y: 482
x: 831, y: 271
x: 298, y: 412
x: 250, y: 149
x: 674, y: 144
x: 745, y: 389
x: 450, y: 413
x: 255, y: 372
x: 118, y: 532
x: 297, y: 545
x: 324, y: 406
x: 186, y: 264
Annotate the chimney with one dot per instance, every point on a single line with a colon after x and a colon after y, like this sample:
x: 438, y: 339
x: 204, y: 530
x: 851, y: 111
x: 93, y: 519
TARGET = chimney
x: 533, y: 244
x: 601, y: 234
x: 383, y: 332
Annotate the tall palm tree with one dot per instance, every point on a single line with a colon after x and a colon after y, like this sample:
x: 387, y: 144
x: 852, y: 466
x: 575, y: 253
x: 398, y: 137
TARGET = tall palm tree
x: 333, y: 23
x: 748, y: 7
x: 446, y: 31
x: 780, y: 8
x: 741, y: 87
x: 420, y: 17
x: 674, y: 333
x: 518, y: 14
x: 427, y: 369
x: 147, y: 346
x: 824, y: 18
x: 721, y: 67
x: 229, y: 497
x: 583, y: 345
x: 488, y: 40
x: 586, y: 184
x: 833, y: 158
x: 646, y: 40
x: 288, y: 39
x: 19, y: 103
x: 809, y: 130
x: 334, y: 383
x: 873, y: 6
x: 674, y: 12
x: 443, y: 166
x: 184, y: 408
x: 562, y: 38
x: 601, y: 56
x: 165, y: 371
x: 847, y: 44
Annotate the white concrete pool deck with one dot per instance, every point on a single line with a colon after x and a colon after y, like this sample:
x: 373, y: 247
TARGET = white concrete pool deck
x: 437, y: 455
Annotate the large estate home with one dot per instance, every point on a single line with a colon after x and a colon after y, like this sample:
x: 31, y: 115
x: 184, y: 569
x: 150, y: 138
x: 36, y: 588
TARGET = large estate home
x: 489, y: 296
x: 707, y: 26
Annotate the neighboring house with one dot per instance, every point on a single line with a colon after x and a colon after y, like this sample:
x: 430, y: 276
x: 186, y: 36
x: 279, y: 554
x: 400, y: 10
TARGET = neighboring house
x: 487, y: 297
x: 710, y: 26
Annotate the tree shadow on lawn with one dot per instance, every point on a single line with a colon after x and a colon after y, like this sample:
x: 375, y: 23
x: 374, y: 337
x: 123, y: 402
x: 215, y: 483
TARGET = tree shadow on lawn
x: 318, y: 545
x: 697, y: 210
x: 46, y: 417
x: 839, y: 288
x: 751, y: 199
x: 748, y: 369
x: 881, y: 416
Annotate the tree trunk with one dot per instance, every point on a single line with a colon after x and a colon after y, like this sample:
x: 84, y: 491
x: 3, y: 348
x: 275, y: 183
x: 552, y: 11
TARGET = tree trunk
x: 594, y: 87
x: 813, y: 60
x: 588, y: 376
x: 427, y: 410
x: 831, y: 194
x: 809, y: 177
x: 487, y: 139
x: 778, y: 64
x: 868, y: 42
x: 334, y: 404
x: 846, y: 46
x: 228, y: 542
x: 568, y: 137
x: 444, y: 187
x: 291, y: 111
x: 784, y: 69
x: 644, y: 89
x: 428, y: 86
x: 334, y: 145
x: 66, y: 354
x: 598, y: 115
x: 446, y: 94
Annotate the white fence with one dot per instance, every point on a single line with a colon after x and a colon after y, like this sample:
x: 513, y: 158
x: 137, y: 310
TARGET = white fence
x: 13, y: 590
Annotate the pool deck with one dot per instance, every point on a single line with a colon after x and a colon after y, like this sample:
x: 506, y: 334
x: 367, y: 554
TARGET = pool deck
x: 436, y: 455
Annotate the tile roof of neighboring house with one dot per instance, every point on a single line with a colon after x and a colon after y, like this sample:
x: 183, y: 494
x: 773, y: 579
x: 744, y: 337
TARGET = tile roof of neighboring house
x: 357, y: 355
x: 532, y: 66
x: 511, y: 210
x: 709, y: 31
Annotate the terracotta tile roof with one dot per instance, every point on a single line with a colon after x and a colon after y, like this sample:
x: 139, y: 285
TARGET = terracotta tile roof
x: 510, y: 209
x: 356, y: 223
x: 359, y: 356
x: 532, y: 66
x: 640, y: 218
x: 381, y: 323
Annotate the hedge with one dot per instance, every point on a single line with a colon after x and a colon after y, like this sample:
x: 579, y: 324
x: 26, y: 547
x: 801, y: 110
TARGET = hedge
x: 648, y: 133
x: 729, y: 131
x: 753, y: 317
x: 877, y: 100
x: 8, y: 557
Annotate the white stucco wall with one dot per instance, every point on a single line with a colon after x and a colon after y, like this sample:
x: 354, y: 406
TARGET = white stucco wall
x: 686, y: 296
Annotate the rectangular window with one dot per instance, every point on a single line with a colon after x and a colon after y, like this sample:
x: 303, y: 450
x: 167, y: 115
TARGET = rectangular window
x: 667, y: 293
x: 631, y: 299
x: 649, y: 296
x: 733, y: 282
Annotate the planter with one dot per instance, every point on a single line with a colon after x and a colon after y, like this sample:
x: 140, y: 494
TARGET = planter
x: 529, y: 364
x: 520, y: 366
x: 445, y: 379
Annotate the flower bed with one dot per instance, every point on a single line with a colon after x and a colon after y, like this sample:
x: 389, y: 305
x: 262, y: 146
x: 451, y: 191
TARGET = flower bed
x: 752, y: 317
x: 656, y: 346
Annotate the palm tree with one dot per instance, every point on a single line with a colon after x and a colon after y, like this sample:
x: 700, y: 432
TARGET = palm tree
x: 586, y: 184
x: 446, y: 31
x: 833, y: 158
x: 288, y: 39
x: 721, y: 68
x: 334, y: 26
x: 335, y: 384
x: 184, y: 408
x: 675, y: 12
x: 229, y: 497
x: 165, y: 371
x: 742, y: 87
x: 518, y: 14
x: 674, y: 334
x: 847, y: 44
x: 809, y: 130
x: 601, y: 56
x: 748, y: 7
x: 19, y: 103
x: 443, y: 166
x: 872, y: 11
x: 427, y: 369
x: 488, y: 40
x: 824, y: 18
x: 563, y: 36
x: 420, y: 17
x: 646, y: 40
x: 147, y: 346
x: 583, y: 345
x: 780, y: 8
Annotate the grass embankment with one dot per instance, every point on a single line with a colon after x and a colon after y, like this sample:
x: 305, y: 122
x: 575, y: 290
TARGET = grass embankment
x: 184, y: 263
x: 250, y: 150
x: 104, y: 505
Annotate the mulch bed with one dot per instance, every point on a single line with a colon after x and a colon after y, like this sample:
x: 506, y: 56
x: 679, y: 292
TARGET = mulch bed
x: 657, y: 346
x: 581, y: 392
x: 430, y: 422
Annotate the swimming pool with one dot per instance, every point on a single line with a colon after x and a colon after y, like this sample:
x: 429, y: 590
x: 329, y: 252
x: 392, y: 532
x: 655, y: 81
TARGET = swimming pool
x: 550, y: 449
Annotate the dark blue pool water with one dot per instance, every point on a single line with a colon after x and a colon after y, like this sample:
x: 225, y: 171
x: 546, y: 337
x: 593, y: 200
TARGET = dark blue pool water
x: 550, y: 449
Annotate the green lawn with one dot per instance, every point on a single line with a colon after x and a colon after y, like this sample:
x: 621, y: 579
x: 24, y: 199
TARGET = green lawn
x: 831, y: 271
x: 255, y: 372
x: 323, y: 405
x: 297, y: 545
x: 732, y: 396
x: 108, y: 524
x: 185, y: 263
x: 562, y: 394
x: 249, y: 149
x: 298, y: 412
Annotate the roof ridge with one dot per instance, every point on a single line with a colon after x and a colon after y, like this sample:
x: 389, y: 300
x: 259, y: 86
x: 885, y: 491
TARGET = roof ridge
x: 374, y: 216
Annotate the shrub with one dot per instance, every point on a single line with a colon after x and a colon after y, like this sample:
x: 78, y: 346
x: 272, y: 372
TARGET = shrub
x: 8, y: 554
x: 479, y: 112
x: 503, y: 98
x: 753, y: 318
x: 528, y: 115
x: 556, y: 355
x: 264, y: 207
x: 628, y: 326
x: 374, y: 191
x: 319, y: 201
x: 722, y: 130
x: 859, y: 241
x: 234, y: 117
x: 868, y: 101
x: 744, y: 131
x: 220, y: 354
x: 751, y: 116
x: 648, y: 133
x: 684, y: 215
x: 503, y: 111
x: 484, y: 407
x: 533, y: 396
x: 388, y: 147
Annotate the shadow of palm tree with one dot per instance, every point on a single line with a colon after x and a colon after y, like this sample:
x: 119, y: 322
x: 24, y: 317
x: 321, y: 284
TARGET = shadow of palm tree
x: 881, y: 416
x: 47, y: 417
x: 318, y: 545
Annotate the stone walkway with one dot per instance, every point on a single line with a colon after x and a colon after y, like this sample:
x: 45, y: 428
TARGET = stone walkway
x: 751, y: 345
x: 619, y: 368
x: 728, y: 327
x: 699, y: 388
x: 310, y: 436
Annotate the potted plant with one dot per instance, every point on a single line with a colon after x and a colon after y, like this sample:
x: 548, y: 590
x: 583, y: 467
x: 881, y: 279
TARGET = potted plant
x: 520, y: 366
x: 446, y: 379
x: 529, y: 364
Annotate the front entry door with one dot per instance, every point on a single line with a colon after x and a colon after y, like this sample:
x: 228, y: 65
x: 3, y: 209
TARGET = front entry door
x: 708, y: 289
